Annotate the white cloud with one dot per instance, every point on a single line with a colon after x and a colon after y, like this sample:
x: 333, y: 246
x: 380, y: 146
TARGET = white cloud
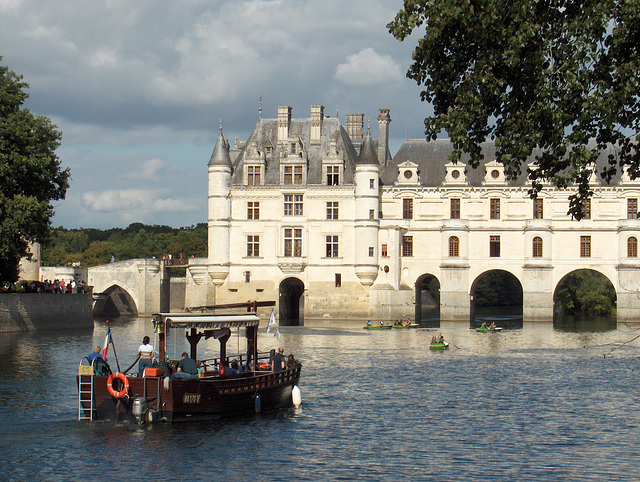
x: 176, y: 205
x: 367, y: 67
x: 118, y: 200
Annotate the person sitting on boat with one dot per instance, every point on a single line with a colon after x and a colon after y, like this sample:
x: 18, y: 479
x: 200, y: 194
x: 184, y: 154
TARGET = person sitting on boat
x: 484, y: 325
x: 433, y: 339
x: 492, y: 325
x: 291, y: 361
x: 97, y: 353
x: 186, y: 368
x: 368, y: 322
x: 279, y: 361
x: 440, y: 338
x: 145, y: 352
x: 397, y: 323
x: 234, y: 368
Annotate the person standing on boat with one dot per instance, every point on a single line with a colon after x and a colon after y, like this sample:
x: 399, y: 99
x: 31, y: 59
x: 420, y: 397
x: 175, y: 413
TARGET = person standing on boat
x: 279, y: 360
x: 145, y: 352
x: 187, y: 368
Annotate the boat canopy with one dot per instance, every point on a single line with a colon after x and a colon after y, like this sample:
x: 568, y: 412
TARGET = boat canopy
x: 205, y: 320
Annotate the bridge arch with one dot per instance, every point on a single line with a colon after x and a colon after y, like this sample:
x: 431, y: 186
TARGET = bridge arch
x: 584, y: 292
x: 291, y: 302
x: 114, y: 301
x: 427, y: 296
x: 496, y: 295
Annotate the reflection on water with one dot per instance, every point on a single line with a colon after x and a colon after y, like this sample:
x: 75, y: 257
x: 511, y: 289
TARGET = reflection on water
x: 532, y: 403
x: 585, y: 324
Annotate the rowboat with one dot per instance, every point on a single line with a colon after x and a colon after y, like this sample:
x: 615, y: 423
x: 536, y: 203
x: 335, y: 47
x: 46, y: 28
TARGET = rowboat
x: 486, y: 329
x: 377, y: 327
x: 215, y: 393
x: 439, y: 346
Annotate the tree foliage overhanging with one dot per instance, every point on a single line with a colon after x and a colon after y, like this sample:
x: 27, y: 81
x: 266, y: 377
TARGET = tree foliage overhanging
x: 92, y: 247
x: 30, y: 174
x: 535, y: 74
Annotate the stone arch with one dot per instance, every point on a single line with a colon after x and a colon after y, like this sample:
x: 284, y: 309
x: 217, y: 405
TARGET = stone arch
x: 602, y: 286
x: 496, y: 295
x: 115, y: 301
x: 291, y: 302
x: 427, y: 296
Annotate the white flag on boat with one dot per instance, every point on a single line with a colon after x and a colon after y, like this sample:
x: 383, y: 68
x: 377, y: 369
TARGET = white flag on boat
x: 272, y: 321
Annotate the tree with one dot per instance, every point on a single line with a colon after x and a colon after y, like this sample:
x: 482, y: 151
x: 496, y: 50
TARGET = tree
x: 539, y: 77
x: 30, y: 174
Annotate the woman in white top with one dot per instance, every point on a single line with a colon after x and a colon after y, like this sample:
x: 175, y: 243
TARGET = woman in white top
x: 145, y: 352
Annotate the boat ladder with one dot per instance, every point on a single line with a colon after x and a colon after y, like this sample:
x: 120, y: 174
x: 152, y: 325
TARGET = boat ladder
x: 85, y: 398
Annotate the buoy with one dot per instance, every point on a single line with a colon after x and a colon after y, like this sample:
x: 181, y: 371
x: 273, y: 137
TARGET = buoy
x: 296, y: 397
x: 258, y: 403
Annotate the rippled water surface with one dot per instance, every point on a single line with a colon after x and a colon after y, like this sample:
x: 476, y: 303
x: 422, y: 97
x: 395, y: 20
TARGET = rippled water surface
x: 525, y: 404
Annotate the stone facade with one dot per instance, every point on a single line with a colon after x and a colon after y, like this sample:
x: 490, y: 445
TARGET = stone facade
x: 322, y: 219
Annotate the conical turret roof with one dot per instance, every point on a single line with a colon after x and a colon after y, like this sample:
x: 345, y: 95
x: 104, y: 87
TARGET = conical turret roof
x: 220, y: 156
x: 367, y: 152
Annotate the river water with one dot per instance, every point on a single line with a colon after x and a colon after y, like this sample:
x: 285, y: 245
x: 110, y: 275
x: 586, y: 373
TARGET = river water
x: 530, y: 403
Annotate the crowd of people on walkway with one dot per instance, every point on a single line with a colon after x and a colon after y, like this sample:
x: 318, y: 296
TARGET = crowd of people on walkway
x: 48, y: 286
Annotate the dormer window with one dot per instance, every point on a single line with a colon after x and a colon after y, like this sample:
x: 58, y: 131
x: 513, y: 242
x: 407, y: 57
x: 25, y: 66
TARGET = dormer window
x: 408, y: 174
x: 456, y: 174
x: 494, y: 174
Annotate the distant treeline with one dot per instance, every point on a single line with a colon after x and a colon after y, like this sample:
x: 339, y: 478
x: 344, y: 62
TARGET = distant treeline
x: 92, y: 247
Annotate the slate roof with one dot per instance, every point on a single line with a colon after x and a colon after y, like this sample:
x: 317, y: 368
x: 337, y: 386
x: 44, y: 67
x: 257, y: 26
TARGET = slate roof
x: 432, y: 157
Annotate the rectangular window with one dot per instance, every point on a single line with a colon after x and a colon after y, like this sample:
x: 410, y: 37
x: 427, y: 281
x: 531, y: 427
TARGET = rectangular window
x: 372, y: 214
x: 494, y: 246
x: 253, y: 210
x: 586, y: 207
x: 407, y: 209
x: 332, y: 210
x: 371, y: 251
x: 455, y: 208
x: 372, y: 183
x: 253, y: 175
x: 288, y: 174
x: 293, y: 148
x: 338, y: 280
x: 332, y: 246
x: 333, y: 175
x: 407, y: 245
x: 632, y: 208
x: 247, y: 276
x: 494, y: 208
x: 537, y: 208
x: 297, y: 205
x: 585, y: 246
x: 383, y: 250
x: 293, y: 242
x: 253, y: 246
x: 297, y: 175
x: 288, y: 204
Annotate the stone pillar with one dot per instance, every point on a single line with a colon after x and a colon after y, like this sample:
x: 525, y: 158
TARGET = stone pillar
x: 537, y: 293
x: 455, y: 303
x: 628, y: 294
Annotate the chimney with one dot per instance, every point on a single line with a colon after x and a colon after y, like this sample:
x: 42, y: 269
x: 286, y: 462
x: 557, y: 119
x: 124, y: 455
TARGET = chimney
x: 284, y: 122
x: 384, y: 119
x: 317, y: 115
x: 355, y: 127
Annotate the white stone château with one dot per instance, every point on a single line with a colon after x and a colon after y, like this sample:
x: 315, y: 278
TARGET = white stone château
x: 320, y: 217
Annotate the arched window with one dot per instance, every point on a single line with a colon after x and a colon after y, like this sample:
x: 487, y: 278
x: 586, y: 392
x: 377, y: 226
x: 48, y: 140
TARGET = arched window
x: 537, y: 247
x: 632, y: 247
x: 454, y: 247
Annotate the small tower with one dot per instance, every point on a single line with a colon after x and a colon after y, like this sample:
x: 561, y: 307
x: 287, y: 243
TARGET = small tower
x: 367, y: 179
x: 220, y: 170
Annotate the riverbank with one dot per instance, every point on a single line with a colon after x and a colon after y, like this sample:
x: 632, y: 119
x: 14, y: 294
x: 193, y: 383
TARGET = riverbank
x: 45, y: 311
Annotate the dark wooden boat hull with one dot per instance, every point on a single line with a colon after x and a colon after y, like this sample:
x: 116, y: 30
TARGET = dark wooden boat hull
x: 207, y: 398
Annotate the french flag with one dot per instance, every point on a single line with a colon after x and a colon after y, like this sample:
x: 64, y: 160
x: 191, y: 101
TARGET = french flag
x: 107, y: 340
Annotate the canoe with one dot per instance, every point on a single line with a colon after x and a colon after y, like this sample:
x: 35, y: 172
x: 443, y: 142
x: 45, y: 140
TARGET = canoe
x: 377, y: 327
x: 439, y: 346
x: 486, y: 330
x: 411, y: 325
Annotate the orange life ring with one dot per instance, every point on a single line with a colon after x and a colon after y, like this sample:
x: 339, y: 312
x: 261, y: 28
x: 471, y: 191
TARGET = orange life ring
x: 264, y: 365
x: 123, y: 379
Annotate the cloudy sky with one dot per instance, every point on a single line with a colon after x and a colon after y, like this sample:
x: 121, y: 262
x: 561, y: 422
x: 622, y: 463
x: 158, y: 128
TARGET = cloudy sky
x: 138, y: 88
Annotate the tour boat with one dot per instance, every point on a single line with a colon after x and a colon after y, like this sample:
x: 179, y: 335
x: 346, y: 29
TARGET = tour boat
x: 215, y: 394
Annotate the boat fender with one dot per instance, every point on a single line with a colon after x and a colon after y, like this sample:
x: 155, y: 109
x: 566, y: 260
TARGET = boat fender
x: 221, y: 369
x: 258, y: 403
x: 296, y: 397
x: 125, y: 384
x: 166, y: 383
